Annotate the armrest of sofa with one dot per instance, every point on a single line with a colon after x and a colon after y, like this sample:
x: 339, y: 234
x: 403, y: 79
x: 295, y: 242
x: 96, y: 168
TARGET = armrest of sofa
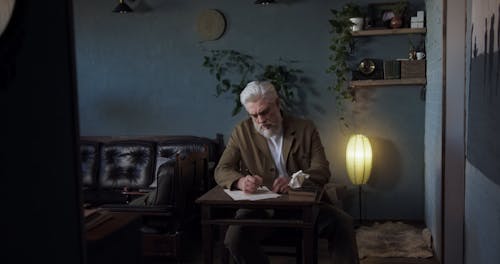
x: 164, y: 210
x: 131, y: 195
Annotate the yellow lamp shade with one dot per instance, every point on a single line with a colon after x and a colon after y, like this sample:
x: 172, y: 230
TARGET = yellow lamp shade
x: 359, y: 159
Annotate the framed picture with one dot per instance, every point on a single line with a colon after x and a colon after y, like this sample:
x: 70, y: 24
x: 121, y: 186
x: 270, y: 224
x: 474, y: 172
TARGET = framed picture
x: 380, y: 14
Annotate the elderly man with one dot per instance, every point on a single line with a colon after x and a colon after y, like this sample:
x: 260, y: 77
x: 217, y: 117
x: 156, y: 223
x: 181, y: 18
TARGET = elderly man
x: 266, y: 149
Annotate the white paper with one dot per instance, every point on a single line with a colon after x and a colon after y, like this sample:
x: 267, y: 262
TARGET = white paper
x: 297, y: 179
x: 260, y: 194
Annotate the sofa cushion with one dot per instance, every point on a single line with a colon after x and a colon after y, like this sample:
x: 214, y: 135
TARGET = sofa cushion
x: 126, y: 164
x: 89, y: 156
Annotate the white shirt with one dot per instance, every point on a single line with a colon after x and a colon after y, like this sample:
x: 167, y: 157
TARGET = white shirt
x: 275, y: 144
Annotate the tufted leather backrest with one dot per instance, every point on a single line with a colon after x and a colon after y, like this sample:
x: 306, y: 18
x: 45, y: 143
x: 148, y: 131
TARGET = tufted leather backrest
x: 126, y: 164
x: 111, y: 165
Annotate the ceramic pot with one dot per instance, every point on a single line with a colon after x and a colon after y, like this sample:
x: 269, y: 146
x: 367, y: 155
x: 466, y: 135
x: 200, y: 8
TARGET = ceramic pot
x: 396, y: 22
x: 358, y: 23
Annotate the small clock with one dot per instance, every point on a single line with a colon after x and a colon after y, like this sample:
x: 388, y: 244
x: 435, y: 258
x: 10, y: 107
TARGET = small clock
x: 366, y: 66
x: 369, y: 69
x: 6, y: 8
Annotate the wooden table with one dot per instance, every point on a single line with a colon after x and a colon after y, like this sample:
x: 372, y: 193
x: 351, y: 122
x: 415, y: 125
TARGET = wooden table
x: 216, y: 198
x: 113, y: 237
x: 105, y: 223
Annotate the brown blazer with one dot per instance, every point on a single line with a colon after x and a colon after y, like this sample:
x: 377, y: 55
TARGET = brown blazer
x: 247, y: 152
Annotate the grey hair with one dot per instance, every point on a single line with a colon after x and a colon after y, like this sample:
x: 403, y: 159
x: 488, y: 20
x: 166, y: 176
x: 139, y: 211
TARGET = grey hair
x: 258, y: 90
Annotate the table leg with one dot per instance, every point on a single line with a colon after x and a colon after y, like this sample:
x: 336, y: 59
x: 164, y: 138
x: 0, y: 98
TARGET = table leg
x: 224, y: 252
x: 308, y: 237
x: 308, y: 246
x: 207, y: 235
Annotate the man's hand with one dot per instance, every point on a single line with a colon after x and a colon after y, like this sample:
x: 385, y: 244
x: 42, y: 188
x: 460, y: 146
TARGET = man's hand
x: 280, y: 185
x: 249, y: 183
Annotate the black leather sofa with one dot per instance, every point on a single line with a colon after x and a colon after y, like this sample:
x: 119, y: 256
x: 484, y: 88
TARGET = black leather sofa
x: 111, y: 166
x: 117, y: 171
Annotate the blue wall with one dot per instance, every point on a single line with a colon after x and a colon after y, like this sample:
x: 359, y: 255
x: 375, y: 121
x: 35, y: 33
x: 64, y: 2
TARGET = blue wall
x: 482, y: 192
x: 141, y: 74
x: 433, y: 135
x: 482, y: 218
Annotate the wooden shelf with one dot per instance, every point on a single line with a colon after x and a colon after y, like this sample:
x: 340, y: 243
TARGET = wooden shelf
x: 381, y: 32
x: 393, y: 82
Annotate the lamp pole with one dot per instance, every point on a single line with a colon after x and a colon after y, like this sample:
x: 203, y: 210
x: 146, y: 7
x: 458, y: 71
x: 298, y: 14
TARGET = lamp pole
x: 360, y: 208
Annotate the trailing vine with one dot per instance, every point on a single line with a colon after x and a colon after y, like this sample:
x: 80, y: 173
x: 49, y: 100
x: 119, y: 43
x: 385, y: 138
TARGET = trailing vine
x: 342, y: 45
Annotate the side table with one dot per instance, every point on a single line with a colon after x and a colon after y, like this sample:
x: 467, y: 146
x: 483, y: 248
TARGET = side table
x: 113, y: 237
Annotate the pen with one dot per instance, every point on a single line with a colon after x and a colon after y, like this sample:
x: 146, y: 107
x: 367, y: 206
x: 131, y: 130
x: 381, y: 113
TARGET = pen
x: 248, y: 172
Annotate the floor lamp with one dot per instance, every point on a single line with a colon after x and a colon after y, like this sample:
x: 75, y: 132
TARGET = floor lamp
x: 359, y: 163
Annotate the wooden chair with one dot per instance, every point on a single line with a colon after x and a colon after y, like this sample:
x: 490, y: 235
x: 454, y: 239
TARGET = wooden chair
x: 282, y: 242
x: 170, y: 213
x: 272, y: 247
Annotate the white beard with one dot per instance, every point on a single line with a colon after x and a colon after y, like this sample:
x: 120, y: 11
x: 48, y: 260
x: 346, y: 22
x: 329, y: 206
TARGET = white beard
x: 274, y: 130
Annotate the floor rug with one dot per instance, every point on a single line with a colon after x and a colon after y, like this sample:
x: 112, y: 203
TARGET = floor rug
x: 393, y: 239
x: 399, y: 261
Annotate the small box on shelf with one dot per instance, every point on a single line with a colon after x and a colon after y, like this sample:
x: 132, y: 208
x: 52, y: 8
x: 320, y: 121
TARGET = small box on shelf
x: 412, y: 69
x: 392, y: 69
x: 420, y: 15
x: 417, y: 24
x: 417, y: 21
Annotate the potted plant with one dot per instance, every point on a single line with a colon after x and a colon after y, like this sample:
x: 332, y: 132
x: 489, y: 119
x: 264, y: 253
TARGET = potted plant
x: 398, y: 12
x: 342, y: 45
x: 353, y: 11
x: 226, y: 63
x: 233, y: 70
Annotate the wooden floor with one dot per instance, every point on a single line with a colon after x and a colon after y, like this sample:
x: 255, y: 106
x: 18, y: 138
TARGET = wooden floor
x: 323, y: 258
x: 399, y: 261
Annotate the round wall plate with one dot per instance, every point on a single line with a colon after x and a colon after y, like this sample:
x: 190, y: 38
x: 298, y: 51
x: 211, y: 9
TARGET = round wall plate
x: 6, y: 8
x: 211, y: 24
